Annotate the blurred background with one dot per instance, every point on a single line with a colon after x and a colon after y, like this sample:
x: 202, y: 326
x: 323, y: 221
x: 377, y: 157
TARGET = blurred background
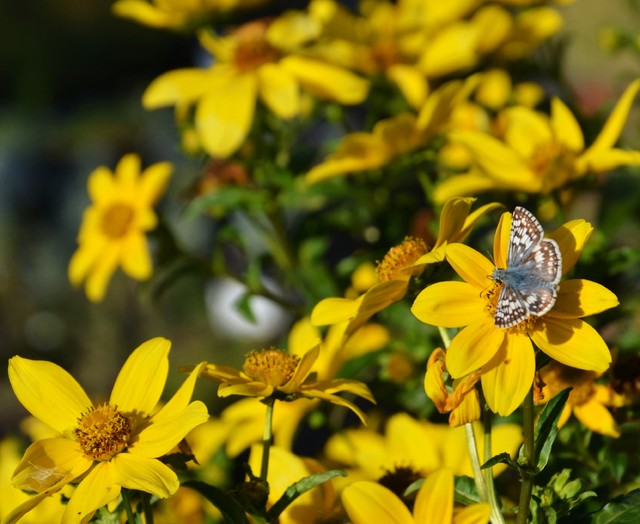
x: 72, y: 76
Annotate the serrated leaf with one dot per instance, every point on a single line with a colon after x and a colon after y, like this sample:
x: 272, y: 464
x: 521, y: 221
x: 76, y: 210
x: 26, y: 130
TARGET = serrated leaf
x: 232, y: 512
x: 621, y: 510
x: 298, y: 488
x: 546, y: 429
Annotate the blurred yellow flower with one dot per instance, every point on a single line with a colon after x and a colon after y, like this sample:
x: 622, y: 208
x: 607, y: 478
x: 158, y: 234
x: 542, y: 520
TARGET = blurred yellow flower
x: 113, y: 228
x: 253, y: 62
x: 506, y: 356
x: 588, y: 400
x: 540, y: 154
x: 102, y: 447
x: 366, y: 502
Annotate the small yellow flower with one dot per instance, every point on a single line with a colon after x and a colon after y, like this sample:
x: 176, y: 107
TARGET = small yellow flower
x: 505, y: 356
x: 113, y: 228
x: 588, y: 400
x: 366, y: 502
x: 102, y: 447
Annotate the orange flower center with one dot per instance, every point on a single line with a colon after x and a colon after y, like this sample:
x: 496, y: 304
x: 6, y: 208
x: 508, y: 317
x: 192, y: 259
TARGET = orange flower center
x: 274, y: 367
x: 253, y: 49
x: 491, y: 295
x: 395, y: 263
x: 116, y: 220
x: 103, y: 432
x: 554, y: 163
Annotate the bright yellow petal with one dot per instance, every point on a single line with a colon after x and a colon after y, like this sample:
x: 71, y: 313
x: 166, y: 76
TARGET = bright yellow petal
x: 100, y: 274
x: 434, y: 502
x: 473, y: 514
x: 136, y: 259
x: 367, y: 502
x: 566, y: 128
x: 100, y: 185
x: 97, y: 489
x: 302, y: 370
x: 451, y: 49
x: 452, y: 218
x: 181, y: 398
x: 406, y: 439
x: 607, y: 160
x: 501, y: 240
x: 224, y: 116
x: 379, y: 297
x: 473, y: 347
x: 334, y: 310
x: 279, y: 90
x: 572, y: 342
x: 220, y: 373
x: 247, y: 389
x: 473, y: 267
x: 153, y: 182
x: 142, y: 378
x: 339, y: 401
x: 182, y: 86
x: 597, y: 418
x: 449, y: 304
x: 472, y: 219
x: 460, y: 185
x: 411, y: 82
x: 508, y: 376
x: 48, y: 392
x: 145, y: 474
x: 571, y: 238
x: 581, y: 298
x: 84, y: 258
x: 526, y: 130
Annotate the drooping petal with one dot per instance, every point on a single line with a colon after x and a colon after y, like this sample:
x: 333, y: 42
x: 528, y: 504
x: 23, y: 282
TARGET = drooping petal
x: 220, y: 373
x: 571, y: 238
x: 474, y: 268
x: 434, y: 502
x: 566, y: 128
x: 582, y: 298
x: 339, y: 401
x: 337, y: 385
x: 473, y: 347
x: 279, y: 90
x: 449, y: 304
x: 141, y: 380
x: 48, y: 392
x: 366, y: 502
x: 508, y: 376
x: 597, y: 418
x: 572, y: 342
x: 145, y: 474
x: 97, y: 489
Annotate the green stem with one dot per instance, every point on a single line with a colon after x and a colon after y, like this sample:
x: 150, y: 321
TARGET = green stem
x: 528, y: 451
x: 148, y: 511
x: 266, y: 438
x: 496, y: 514
x: 444, y: 335
x: 126, y: 500
x: 472, y: 448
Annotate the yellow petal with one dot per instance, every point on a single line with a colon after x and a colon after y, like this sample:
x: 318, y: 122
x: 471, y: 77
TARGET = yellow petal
x: 566, y: 128
x: 527, y: 130
x: 494, y: 89
x: 182, y: 86
x: 48, y: 392
x: 468, y: 184
x: 452, y: 218
x: 85, y: 258
x: 472, y: 219
x: 136, y: 259
x: 334, y: 310
x: 434, y: 502
x: 473, y: 514
x: 581, y: 298
x: 153, y: 182
x: 449, y: 304
x: 147, y: 14
x: 100, y: 274
x: 224, y: 115
x: 607, y: 160
x: 451, y: 49
x: 367, y: 502
x: 433, y: 380
x: 571, y: 238
x: 279, y: 90
x: 97, y: 489
x: 508, y: 376
x: 597, y: 418
x: 101, y: 185
x: 572, y: 342
x: 473, y: 267
x: 141, y: 380
x: 501, y: 240
x: 181, y: 398
x: 405, y: 438
x: 220, y: 373
x: 302, y: 370
x: 245, y: 388
x: 411, y: 82
x: 145, y: 474
x: 473, y: 347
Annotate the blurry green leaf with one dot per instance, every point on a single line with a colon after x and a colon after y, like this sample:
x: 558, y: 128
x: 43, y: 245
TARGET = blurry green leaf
x: 243, y: 306
x: 226, y: 199
x: 621, y: 510
x: 232, y: 512
x: 465, y: 491
x: 546, y: 429
x: 300, y: 487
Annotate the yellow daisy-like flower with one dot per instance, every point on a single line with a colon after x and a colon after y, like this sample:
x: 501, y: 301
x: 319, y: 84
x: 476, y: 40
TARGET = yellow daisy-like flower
x: 366, y: 502
x: 540, y: 154
x: 113, y: 228
x: 506, y: 356
x: 588, y: 400
x: 398, y: 266
x: 252, y: 63
x: 108, y: 446
x: 285, y: 376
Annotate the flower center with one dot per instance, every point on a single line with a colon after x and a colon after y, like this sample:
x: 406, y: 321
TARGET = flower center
x: 399, y: 479
x: 491, y: 295
x: 116, y: 220
x: 274, y: 367
x: 252, y: 49
x: 103, y: 432
x: 400, y: 257
x: 554, y: 163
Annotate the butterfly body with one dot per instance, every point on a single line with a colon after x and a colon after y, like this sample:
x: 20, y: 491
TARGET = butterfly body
x: 534, y: 268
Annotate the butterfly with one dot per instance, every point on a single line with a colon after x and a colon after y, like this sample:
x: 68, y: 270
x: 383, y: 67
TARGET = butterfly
x: 534, y: 267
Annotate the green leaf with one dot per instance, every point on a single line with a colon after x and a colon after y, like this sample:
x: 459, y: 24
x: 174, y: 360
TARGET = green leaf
x: 243, y: 306
x: 300, y: 487
x: 546, y: 429
x: 226, y: 199
x: 232, y: 512
x: 503, y: 458
x: 621, y: 510
x: 465, y: 491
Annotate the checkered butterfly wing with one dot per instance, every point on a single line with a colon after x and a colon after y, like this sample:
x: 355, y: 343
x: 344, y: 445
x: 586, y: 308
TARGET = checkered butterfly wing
x: 526, y: 233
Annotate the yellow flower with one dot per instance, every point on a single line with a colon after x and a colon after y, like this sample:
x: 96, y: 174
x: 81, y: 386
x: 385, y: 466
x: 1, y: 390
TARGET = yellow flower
x: 367, y: 502
x: 285, y: 376
x: 113, y: 228
x: 103, y: 447
x: 540, y: 154
x: 588, y: 401
x: 398, y: 266
x: 176, y: 14
x: 251, y: 63
x: 505, y: 356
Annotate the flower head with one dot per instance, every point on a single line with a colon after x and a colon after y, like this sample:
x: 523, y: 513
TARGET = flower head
x: 113, y: 228
x: 506, y: 356
x: 103, y: 447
